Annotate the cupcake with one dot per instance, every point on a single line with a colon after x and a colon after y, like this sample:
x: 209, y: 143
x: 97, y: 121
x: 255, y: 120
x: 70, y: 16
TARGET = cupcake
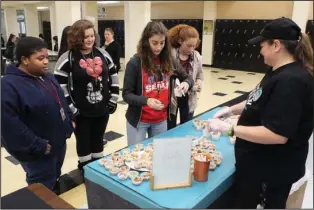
x: 212, y: 165
x: 195, y: 143
x: 140, y: 147
x: 145, y: 175
x: 207, y: 151
x: 128, y: 159
x: 212, y: 147
x: 102, y: 162
x: 205, y: 145
x: 114, y: 170
x: 218, y: 161
x: 145, y: 156
x: 133, y: 174
x: 203, y: 140
x: 218, y: 154
x: 135, y: 150
x: 215, y: 135
x: 134, y: 158
x: 124, y: 169
x: 126, y: 152
x: 150, y: 145
x: 137, y: 180
x: 115, y: 155
x: 123, y: 175
x: 148, y: 150
x: 108, y: 165
x: 204, y: 123
x: 134, y: 154
x: 197, y: 124
x: 118, y: 162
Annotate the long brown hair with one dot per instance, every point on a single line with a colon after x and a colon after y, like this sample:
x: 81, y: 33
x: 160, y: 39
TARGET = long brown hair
x: 182, y: 32
x: 145, y: 52
x: 304, y: 52
x: 76, y: 34
x: 301, y: 50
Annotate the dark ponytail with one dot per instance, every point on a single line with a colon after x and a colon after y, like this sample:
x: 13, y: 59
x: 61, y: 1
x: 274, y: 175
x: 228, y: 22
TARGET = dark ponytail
x: 301, y: 50
x: 304, y: 52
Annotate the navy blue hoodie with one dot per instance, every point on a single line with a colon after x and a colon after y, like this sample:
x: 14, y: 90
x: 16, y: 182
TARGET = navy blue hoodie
x: 30, y: 115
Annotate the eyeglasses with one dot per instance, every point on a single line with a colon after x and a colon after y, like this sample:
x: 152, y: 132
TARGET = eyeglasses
x: 189, y: 46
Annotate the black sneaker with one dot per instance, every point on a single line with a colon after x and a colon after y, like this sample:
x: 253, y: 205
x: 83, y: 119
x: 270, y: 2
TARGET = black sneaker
x: 80, y: 165
x: 56, y: 188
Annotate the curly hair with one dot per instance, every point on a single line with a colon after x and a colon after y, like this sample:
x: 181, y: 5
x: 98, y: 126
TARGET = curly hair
x: 182, y: 32
x: 76, y: 34
x: 144, y: 50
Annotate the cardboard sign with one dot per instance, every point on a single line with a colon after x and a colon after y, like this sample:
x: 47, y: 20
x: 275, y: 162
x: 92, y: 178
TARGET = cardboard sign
x: 171, y: 163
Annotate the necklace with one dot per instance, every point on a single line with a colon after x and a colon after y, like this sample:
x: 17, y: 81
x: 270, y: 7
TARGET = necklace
x: 158, y: 77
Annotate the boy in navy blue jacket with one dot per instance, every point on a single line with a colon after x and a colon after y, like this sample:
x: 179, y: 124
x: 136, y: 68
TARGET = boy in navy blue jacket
x: 35, y: 117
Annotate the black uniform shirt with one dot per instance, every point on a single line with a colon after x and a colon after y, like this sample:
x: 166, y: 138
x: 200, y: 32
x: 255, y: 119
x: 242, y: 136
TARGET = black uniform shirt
x: 283, y: 103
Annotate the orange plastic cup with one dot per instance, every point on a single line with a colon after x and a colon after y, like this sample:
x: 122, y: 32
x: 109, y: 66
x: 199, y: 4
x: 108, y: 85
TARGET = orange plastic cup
x: 201, y: 169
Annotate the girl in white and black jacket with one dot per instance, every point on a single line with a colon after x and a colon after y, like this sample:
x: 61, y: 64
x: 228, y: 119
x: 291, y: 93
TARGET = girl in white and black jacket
x: 90, y: 83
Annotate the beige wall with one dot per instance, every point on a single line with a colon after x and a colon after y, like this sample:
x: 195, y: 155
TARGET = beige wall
x: 311, y: 11
x: 225, y: 10
x: 172, y: 10
x: 178, y: 10
x: 254, y: 9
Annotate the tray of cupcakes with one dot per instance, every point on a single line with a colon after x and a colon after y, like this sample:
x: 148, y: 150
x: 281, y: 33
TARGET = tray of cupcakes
x: 124, y: 172
x: 203, y: 146
x: 136, y: 163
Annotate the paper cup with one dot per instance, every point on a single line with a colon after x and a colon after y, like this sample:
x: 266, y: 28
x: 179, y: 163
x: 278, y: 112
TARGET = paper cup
x: 232, y: 139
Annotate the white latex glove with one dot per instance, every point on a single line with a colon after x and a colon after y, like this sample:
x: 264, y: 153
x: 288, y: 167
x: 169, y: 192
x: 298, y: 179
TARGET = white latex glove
x: 217, y: 125
x: 184, y: 86
x: 223, y: 113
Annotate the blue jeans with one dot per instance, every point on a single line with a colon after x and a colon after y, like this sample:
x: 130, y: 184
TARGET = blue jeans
x: 136, y: 135
x: 45, y: 170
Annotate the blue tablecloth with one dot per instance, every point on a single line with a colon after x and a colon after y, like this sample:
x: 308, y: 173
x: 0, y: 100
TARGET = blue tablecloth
x: 199, y: 195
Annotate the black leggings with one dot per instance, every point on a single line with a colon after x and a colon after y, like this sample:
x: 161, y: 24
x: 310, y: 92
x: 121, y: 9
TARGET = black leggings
x: 89, y: 134
x: 185, y: 114
x: 248, y: 194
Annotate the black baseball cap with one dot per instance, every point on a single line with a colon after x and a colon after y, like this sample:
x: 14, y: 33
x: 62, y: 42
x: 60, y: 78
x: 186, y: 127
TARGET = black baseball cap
x: 281, y: 28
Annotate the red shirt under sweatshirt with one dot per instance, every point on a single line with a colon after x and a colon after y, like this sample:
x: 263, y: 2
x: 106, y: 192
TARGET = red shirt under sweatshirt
x: 154, y: 87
